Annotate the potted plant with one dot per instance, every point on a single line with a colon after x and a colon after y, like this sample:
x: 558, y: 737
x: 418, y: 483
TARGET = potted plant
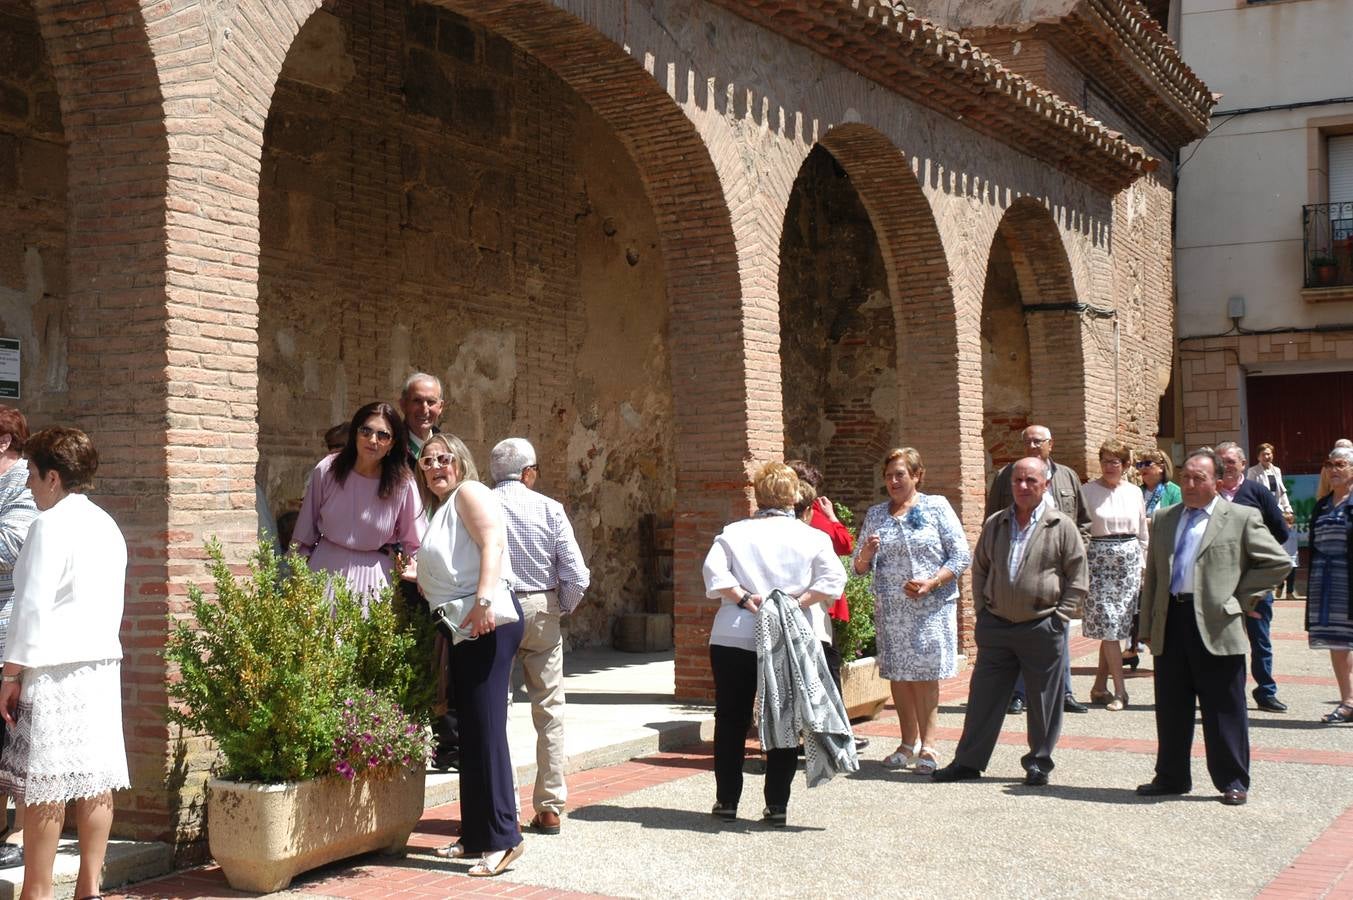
x: 863, y: 691
x: 1326, y: 268
x: 318, y: 709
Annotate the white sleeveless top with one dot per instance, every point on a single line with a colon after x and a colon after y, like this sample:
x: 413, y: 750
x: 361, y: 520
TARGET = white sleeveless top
x: 448, y: 560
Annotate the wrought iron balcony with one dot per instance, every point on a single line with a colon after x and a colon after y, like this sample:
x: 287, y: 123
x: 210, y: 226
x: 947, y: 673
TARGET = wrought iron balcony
x: 1327, y: 238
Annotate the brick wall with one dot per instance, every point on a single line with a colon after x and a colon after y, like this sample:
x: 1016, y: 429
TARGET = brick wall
x: 837, y: 335
x: 33, y: 303
x: 1006, y: 381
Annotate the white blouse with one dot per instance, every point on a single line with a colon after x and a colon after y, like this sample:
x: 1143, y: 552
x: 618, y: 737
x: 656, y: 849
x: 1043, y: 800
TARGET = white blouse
x: 765, y: 554
x: 1120, y: 510
x: 69, y: 583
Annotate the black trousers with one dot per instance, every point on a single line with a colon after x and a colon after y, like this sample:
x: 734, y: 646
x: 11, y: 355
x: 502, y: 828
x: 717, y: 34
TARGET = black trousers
x: 833, y: 662
x: 1184, y: 674
x: 734, y: 693
x: 488, y: 803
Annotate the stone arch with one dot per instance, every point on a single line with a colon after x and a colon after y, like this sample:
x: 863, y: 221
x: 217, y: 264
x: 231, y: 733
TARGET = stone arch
x: 1032, y: 341
x: 930, y: 404
x: 694, y: 238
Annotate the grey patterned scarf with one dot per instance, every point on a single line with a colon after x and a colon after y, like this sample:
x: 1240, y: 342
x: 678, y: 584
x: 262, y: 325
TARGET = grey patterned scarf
x: 796, y: 694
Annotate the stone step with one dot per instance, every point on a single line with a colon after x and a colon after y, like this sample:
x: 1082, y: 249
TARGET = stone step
x: 127, y: 861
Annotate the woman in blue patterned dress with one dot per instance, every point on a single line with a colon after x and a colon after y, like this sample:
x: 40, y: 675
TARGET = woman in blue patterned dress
x: 1329, y: 591
x: 915, y: 546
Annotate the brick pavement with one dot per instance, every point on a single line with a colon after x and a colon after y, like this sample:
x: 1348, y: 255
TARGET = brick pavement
x: 1322, y: 869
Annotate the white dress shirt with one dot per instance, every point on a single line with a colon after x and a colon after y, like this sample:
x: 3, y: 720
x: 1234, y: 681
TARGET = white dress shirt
x: 1199, y: 526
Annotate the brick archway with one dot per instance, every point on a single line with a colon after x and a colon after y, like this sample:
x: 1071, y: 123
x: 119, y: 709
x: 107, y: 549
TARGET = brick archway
x: 702, y: 280
x: 1028, y: 265
x: 118, y: 290
x: 931, y: 406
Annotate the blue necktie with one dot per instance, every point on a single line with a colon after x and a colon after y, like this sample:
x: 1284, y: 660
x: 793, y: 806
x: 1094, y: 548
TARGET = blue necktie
x: 1184, y: 550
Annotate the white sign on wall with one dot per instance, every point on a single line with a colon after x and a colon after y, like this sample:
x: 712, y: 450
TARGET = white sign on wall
x: 9, y: 368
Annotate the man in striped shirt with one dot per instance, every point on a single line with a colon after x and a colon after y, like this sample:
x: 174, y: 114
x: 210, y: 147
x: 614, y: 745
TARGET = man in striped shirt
x: 549, y: 578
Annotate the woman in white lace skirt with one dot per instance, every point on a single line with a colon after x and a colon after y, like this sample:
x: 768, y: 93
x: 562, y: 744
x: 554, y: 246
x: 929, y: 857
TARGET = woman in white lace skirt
x: 61, y: 690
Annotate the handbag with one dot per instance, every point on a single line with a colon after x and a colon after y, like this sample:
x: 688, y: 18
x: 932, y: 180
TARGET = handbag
x: 448, y: 616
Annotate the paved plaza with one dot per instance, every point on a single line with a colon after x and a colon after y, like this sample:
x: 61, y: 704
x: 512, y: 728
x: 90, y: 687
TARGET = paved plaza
x: 642, y: 828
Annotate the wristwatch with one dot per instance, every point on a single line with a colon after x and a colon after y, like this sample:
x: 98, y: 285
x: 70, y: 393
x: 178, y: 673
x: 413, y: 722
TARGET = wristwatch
x: 483, y: 602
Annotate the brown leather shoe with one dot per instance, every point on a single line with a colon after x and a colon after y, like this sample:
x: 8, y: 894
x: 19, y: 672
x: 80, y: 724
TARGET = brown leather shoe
x: 1234, y: 797
x: 545, y: 822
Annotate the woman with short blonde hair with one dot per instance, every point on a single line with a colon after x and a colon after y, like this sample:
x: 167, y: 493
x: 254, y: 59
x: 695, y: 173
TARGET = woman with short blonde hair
x: 750, y: 559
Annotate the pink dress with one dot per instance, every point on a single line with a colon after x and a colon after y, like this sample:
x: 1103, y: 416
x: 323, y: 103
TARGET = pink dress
x: 342, y: 527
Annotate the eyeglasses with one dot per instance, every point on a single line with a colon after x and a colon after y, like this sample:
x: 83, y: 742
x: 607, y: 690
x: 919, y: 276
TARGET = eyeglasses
x: 381, y: 436
x: 1145, y: 463
x: 1036, y: 442
x: 1110, y: 461
x: 531, y: 466
x: 440, y: 461
x: 1332, y: 464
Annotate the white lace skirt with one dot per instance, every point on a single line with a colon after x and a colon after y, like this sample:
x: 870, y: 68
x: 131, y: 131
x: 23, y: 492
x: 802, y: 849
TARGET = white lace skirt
x: 66, y: 743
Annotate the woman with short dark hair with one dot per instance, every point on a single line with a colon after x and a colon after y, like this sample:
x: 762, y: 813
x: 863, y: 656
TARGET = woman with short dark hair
x: 361, y: 505
x: 61, y: 691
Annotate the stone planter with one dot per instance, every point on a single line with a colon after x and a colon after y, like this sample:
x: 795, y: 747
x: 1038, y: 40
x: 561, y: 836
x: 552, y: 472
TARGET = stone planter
x: 263, y: 835
x: 863, y: 690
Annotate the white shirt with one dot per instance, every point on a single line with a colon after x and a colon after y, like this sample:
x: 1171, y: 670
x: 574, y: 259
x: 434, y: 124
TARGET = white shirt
x: 1119, y: 510
x: 764, y: 554
x: 69, y: 583
x: 1199, y: 526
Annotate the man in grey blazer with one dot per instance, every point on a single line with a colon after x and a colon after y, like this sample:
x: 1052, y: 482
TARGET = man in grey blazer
x: 1209, y: 563
x: 1029, y: 578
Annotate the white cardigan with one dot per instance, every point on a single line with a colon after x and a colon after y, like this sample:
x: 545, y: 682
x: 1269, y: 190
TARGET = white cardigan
x: 69, y: 583
x: 1258, y: 473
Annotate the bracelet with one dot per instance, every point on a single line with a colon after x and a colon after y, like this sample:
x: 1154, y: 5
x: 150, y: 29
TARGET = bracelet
x: 742, y: 604
x: 10, y: 679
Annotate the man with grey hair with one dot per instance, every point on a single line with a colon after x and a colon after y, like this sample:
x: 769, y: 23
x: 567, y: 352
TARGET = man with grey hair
x: 1064, y: 494
x: 1242, y: 491
x: 549, y: 578
x: 421, y: 405
x: 1029, y: 579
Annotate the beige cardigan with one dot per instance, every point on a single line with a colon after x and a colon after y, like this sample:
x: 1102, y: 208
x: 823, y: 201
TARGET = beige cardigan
x: 1052, y: 577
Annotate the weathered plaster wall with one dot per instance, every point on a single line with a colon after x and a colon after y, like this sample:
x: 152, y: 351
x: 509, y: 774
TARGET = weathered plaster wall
x: 837, y: 334
x: 33, y: 304
x: 434, y: 199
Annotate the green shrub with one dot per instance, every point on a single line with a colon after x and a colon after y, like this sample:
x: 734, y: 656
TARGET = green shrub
x: 855, y: 639
x: 266, y: 666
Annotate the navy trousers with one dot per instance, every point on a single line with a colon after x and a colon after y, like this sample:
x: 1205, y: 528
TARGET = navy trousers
x: 1186, y: 674
x: 1261, y: 648
x: 481, y: 670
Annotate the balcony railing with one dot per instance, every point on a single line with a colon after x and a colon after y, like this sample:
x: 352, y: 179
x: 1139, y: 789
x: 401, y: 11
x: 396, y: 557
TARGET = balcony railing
x: 1327, y: 233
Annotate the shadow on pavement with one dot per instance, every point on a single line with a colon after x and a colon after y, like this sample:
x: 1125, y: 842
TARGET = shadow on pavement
x: 1121, y: 796
x: 676, y: 819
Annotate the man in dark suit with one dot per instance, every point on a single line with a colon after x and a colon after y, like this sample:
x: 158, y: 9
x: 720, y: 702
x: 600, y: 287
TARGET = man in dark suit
x: 1063, y: 494
x: 1208, y: 564
x: 1259, y: 624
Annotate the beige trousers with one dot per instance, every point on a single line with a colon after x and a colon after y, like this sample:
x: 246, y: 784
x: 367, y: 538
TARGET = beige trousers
x: 542, y: 660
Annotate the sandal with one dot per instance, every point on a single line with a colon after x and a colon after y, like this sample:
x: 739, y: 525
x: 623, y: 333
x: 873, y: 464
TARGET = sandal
x: 451, y: 851
x: 926, y: 763
x: 1100, y: 696
x: 1118, y: 703
x: 1341, y: 715
x: 901, y: 758
x: 491, y: 864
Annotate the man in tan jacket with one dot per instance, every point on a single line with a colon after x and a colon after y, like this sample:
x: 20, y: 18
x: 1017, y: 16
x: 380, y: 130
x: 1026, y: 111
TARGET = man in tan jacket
x: 1029, y: 578
x: 1209, y: 564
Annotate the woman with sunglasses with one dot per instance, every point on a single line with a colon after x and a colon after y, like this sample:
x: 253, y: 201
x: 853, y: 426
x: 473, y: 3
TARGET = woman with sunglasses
x: 361, y: 505
x: 465, y: 555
